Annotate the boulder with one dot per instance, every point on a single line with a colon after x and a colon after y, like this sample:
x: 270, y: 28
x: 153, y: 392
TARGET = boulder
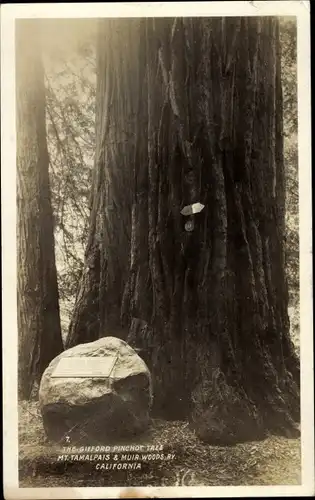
x: 97, y: 390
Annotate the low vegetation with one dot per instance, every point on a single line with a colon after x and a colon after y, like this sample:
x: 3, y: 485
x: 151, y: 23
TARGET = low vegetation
x: 273, y: 461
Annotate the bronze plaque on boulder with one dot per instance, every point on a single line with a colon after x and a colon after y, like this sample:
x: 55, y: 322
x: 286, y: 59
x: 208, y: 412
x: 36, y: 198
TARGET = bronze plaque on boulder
x: 89, y: 367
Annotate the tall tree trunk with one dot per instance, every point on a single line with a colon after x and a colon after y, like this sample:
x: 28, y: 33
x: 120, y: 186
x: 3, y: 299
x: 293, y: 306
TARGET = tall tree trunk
x: 97, y: 308
x: 38, y: 308
x: 208, y: 306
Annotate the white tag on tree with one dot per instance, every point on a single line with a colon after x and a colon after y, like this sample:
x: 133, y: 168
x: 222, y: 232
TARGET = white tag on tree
x: 195, y: 208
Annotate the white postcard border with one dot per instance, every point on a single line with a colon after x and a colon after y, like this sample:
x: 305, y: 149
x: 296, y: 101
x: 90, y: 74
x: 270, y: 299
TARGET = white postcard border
x: 8, y: 198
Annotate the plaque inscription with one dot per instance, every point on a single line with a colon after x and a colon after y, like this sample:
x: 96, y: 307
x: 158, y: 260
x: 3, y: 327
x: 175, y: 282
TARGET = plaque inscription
x: 89, y: 367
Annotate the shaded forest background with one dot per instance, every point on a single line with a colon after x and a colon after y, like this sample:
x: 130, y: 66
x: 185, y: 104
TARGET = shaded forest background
x: 70, y: 80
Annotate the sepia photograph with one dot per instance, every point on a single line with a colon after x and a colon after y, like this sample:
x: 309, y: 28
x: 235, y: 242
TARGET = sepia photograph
x: 159, y: 331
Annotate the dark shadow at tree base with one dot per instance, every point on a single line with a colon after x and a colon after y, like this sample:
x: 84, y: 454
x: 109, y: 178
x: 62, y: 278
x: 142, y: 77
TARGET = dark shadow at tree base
x: 226, y: 418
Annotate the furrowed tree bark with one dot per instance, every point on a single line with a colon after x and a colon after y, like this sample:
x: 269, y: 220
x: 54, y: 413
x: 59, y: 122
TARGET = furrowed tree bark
x: 207, y: 307
x: 38, y: 308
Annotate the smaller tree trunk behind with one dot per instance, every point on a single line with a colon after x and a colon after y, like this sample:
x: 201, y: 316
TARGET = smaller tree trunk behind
x: 38, y: 307
x: 98, y: 303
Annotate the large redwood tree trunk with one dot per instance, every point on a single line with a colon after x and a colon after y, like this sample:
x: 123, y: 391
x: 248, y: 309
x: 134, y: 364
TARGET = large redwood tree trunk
x: 208, y: 306
x: 38, y: 308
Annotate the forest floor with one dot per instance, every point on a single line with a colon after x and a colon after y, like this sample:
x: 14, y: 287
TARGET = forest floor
x: 273, y: 461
